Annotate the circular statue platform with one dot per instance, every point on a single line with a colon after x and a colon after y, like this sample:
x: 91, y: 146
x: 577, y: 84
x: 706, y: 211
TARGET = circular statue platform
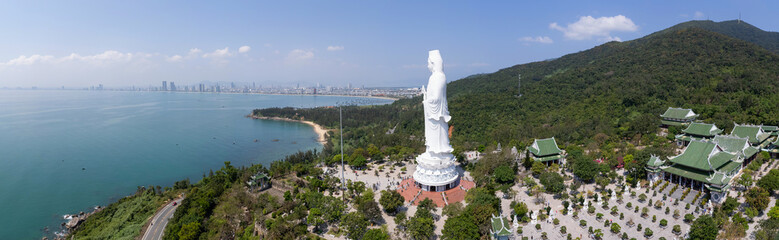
x: 411, y: 192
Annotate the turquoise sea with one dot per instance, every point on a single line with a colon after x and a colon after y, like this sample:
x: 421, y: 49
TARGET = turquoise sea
x: 62, y: 152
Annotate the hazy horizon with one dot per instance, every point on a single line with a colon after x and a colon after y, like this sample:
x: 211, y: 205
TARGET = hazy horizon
x: 372, y: 44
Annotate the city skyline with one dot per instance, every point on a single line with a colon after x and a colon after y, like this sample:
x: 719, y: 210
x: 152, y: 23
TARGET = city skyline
x: 276, y: 44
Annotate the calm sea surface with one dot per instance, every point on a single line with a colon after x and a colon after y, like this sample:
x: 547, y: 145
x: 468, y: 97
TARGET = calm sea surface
x: 62, y: 152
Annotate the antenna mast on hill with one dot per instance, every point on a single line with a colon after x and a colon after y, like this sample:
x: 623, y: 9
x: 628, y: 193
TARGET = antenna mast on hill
x: 519, y: 85
x: 739, y: 17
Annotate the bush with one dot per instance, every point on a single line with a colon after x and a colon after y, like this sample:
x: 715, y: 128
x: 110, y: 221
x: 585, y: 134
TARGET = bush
x: 639, y: 227
x: 629, y: 205
x: 582, y: 223
x: 677, y: 229
x: 538, y: 226
x: 615, y: 228
x: 648, y: 232
x: 591, y: 210
x: 599, y: 216
x: 556, y: 221
x: 563, y: 229
x: 689, y: 218
x: 663, y: 222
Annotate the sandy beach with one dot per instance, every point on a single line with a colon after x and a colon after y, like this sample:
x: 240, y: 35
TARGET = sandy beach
x: 320, y: 131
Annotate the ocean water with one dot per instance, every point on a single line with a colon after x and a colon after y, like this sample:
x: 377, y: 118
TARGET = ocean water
x: 62, y: 152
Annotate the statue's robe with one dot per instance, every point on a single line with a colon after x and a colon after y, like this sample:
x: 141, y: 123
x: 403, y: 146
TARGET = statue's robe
x: 436, y: 115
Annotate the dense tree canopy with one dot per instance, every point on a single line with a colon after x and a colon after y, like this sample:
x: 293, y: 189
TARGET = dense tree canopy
x: 704, y: 228
x: 460, y: 227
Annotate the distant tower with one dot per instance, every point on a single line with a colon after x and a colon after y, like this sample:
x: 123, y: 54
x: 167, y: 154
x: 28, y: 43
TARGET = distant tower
x: 519, y: 85
x: 164, y: 86
x: 172, y: 87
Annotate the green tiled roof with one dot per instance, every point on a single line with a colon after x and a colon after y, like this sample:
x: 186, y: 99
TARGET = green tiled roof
x: 501, y: 226
x: 754, y: 133
x: 654, y: 161
x: 699, y: 154
x: 702, y: 129
x: 736, y: 144
x: 769, y: 128
x: 544, y: 147
x: 694, y: 174
x: 730, y: 167
x: 679, y: 113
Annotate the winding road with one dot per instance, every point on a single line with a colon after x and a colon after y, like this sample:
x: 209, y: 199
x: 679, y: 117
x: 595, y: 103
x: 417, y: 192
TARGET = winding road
x: 160, y: 220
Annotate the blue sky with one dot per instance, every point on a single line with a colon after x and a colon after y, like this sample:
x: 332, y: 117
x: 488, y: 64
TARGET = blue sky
x: 370, y: 43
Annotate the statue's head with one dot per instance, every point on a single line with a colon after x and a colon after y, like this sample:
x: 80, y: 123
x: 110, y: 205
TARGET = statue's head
x: 434, y: 61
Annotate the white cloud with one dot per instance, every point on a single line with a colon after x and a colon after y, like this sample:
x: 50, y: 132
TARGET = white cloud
x: 219, y: 53
x: 107, y: 56
x: 588, y: 27
x: 335, y: 48
x: 538, y: 39
x: 698, y: 15
x: 195, y: 51
x: 300, y: 54
x: 24, y: 60
x: 244, y: 49
x: 174, y: 58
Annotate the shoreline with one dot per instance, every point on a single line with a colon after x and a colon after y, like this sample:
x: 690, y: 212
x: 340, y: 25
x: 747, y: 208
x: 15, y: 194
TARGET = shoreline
x: 278, y: 94
x: 320, y: 131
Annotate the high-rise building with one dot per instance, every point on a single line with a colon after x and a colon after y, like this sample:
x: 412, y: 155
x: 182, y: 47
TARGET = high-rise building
x: 172, y: 87
x: 164, y: 86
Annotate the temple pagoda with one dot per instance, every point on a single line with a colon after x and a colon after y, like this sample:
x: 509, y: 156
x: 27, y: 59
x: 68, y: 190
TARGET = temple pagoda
x: 709, y: 164
x: 697, y: 130
x: 501, y: 228
x: 546, y: 151
x: 755, y: 133
x: 677, y: 117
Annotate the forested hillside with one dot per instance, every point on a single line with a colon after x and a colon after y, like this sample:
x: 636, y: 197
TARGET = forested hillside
x: 735, y: 29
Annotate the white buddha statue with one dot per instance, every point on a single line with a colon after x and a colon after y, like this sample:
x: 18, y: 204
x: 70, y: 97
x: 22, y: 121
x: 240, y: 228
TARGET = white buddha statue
x: 435, y: 167
x: 436, y: 109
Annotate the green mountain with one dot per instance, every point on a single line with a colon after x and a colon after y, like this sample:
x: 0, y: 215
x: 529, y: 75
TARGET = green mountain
x: 735, y: 29
x: 620, y: 88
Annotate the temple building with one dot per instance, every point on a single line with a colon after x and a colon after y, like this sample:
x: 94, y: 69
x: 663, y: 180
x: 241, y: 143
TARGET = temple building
x: 546, y: 151
x: 677, y: 117
x: 501, y: 228
x: 772, y: 130
x: 755, y: 133
x: 773, y: 149
x: 697, y: 131
x: 707, y: 164
x: 653, y: 170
